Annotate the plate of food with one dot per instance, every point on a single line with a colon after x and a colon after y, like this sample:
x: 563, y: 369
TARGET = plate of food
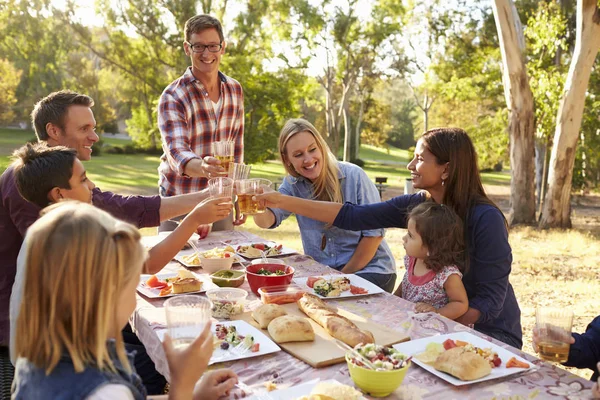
x: 338, y: 286
x: 253, y: 250
x: 171, y: 284
x: 462, y: 358
x: 235, y: 340
x: 191, y: 259
x: 315, y: 389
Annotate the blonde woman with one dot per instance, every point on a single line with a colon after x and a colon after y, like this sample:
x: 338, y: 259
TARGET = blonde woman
x: 81, y: 271
x: 314, y: 173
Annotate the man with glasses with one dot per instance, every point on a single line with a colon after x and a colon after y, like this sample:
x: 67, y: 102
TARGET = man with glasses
x: 200, y: 107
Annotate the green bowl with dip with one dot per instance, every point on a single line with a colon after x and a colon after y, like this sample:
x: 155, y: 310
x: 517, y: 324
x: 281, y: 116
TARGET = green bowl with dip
x: 228, y: 278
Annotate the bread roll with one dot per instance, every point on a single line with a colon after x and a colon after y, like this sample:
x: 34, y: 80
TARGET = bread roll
x: 463, y: 364
x: 337, y: 326
x: 266, y: 313
x: 291, y: 328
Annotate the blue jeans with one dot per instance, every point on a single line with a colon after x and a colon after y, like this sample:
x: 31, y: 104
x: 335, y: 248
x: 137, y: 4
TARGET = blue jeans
x: 384, y: 281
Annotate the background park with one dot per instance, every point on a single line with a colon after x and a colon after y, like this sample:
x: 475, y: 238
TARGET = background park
x: 372, y: 75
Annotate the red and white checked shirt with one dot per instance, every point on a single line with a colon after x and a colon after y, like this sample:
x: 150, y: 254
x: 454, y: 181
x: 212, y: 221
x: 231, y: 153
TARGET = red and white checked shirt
x: 188, y: 126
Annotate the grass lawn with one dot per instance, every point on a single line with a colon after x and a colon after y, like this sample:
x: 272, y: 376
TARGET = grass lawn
x: 554, y: 267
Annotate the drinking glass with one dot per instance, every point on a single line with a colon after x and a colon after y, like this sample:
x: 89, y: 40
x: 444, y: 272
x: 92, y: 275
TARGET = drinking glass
x: 186, y: 317
x: 238, y: 171
x: 554, y: 332
x: 223, y: 151
x: 248, y: 188
x: 220, y: 187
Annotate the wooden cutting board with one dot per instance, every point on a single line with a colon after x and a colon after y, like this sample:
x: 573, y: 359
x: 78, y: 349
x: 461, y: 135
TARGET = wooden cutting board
x: 323, y: 351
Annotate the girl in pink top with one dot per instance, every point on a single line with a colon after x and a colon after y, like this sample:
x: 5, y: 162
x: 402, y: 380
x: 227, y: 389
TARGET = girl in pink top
x: 434, y: 260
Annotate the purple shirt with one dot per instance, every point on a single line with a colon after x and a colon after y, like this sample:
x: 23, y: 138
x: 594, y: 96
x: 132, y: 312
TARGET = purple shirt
x: 17, y: 214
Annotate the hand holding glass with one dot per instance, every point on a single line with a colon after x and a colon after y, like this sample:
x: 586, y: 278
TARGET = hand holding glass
x: 220, y: 187
x: 553, y: 332
x: 186, y: 317
x: 246, y: 190
x: 223, y: 151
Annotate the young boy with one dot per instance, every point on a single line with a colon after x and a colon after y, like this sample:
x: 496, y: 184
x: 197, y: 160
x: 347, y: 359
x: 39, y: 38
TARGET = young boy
x: 46, y: 175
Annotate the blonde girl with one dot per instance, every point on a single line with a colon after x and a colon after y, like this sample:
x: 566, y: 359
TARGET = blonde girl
x: 314, y: 173
x: 82, y: 268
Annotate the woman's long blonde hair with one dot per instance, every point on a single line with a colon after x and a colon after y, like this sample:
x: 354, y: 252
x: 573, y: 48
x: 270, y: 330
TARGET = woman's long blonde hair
x: 327, y: 185
x: 79, y: 260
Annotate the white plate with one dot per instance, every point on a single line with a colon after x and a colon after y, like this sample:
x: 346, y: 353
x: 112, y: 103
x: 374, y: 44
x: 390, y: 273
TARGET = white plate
x: 179, y: 258
x: 302, y: 389
x: 284, y: 250
x: 355, y: 280
x: 153, y: 293
x: 414, y: 347
x: 267, y: 346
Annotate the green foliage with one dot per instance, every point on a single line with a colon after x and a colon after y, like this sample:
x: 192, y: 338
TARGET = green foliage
x: 9, y: 80
x: 142, y: 127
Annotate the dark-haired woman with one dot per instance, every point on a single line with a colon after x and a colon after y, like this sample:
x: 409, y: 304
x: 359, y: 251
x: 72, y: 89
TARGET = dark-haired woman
x: 445, y: 168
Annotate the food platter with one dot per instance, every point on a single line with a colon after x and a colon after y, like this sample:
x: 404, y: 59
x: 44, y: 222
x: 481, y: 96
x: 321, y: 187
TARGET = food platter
x: 154, y: 293
x: 416, y: 347
x: 294, y: 392
x: 267, y: 346
x: 271, y: 249
x: 355, y: 281
x: 189, y: 258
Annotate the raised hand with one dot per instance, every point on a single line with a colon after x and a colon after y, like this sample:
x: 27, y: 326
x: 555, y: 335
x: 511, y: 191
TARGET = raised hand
x: 211, y: 167
x: 212, y: 209
x: 187, y: 365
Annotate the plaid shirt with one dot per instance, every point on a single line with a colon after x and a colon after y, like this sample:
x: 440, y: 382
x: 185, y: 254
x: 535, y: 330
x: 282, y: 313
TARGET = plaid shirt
x: 188, y: 126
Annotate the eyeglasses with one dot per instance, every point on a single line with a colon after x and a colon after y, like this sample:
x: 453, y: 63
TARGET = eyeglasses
x: 199, y: 48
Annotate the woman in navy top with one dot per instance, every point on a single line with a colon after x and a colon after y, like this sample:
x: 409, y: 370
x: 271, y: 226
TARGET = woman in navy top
x: 445, y: 167
x: 314, y: 173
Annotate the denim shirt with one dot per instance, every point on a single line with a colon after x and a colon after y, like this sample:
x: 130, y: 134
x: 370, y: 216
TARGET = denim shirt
x: 341, y: 244
x: 63, y: 383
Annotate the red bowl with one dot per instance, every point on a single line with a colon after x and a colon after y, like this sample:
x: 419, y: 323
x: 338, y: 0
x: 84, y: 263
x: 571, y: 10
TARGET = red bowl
x: 257, y: 281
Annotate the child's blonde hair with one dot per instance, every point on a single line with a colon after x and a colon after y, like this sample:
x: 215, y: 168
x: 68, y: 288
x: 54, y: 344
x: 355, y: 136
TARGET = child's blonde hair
x: 327, y: 185
x: 79, y: 260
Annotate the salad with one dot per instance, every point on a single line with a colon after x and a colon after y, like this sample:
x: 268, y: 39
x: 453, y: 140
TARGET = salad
x: 226, y: 308
x: 255, y: 249
x: 383, y: 358
x: 263, y: 271
x: 229, y: 336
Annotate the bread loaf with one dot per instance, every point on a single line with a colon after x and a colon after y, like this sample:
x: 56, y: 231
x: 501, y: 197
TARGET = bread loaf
x: 266, y: 313
x: 290, y: 328
x: 463, y: 364
x: 337, y: 326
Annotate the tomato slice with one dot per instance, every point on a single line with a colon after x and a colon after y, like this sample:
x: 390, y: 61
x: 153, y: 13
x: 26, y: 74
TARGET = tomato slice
x: 153, y: 282
x: 259, y: 246
x: 448, y: 344
x: 255, y: 347
x: 165, y: 291
x: 358, y: 290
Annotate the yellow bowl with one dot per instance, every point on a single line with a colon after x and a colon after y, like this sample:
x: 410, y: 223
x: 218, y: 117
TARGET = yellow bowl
x: 376, y: 383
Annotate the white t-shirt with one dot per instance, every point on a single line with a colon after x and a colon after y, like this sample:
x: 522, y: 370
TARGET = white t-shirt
x: 111, y: 391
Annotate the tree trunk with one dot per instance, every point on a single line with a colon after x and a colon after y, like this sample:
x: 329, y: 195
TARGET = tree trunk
x: 347, y: 136
x: 519, y: 100
x: 540, y: 162
x: 557, y: 207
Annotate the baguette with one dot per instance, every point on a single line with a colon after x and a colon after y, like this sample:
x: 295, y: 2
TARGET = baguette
x: 337, y: 326
x: 463, y: 364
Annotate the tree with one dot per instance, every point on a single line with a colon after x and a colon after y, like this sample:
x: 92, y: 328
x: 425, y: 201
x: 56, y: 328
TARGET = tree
x: 557, y: 207
x: 519, y: 100
x: 9, y: 80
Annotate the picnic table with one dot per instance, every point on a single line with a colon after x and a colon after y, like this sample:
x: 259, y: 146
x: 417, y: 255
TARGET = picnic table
x: 281, y: 368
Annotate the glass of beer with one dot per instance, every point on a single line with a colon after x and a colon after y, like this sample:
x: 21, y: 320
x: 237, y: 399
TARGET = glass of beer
x: 186, y: 317
x: 248, y: 188
x: 223, y: 151
x: 554, y: 332
x: 220, y: 187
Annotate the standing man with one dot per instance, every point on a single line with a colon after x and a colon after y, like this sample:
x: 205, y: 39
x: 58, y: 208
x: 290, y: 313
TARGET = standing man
x: 200, y: 107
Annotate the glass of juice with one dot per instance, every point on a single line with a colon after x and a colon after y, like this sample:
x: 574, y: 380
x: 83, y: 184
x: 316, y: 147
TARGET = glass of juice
x: 186, y: 317
x: 223, y: 151
x: 554, y: 332
x: 248, y: 188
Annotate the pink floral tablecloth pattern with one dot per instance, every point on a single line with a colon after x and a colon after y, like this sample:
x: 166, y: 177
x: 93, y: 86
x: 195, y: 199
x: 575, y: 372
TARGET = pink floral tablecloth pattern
x: 547, y: 382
